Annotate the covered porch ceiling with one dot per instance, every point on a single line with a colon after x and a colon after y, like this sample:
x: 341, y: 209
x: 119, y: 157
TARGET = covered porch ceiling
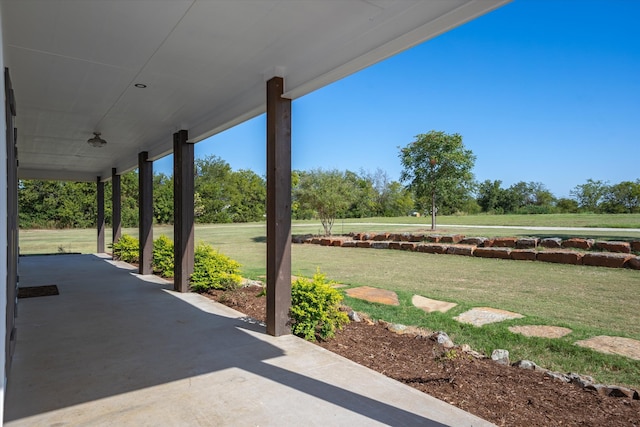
x: 76, y: 64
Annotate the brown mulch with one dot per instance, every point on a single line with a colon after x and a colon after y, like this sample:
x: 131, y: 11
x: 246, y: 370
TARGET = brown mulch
x: 506, y: 396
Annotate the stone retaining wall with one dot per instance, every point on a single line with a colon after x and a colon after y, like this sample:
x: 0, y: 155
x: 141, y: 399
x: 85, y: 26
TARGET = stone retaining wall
x: 576, y: 251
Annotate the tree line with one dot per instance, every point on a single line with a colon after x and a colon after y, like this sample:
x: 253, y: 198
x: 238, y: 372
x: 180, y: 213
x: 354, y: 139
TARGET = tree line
x: 436, y: 177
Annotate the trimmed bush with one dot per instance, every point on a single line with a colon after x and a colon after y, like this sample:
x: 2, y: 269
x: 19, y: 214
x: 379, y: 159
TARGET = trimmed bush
x: 213, y: 270
x: 163, y: 256
x: 315, y: 308
x: 126, y: 249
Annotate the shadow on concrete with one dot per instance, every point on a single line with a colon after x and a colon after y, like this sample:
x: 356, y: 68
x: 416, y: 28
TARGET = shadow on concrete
x: 111, y: 332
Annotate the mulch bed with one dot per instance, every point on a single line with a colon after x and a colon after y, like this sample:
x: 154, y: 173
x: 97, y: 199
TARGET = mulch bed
x: 506, y: 396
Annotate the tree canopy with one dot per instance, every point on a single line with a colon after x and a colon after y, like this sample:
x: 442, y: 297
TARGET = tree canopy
x: 438, y: 170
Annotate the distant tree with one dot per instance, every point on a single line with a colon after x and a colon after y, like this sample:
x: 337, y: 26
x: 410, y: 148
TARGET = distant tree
x: 248, y: 196
x: 489, y: 193
x: 364, y: 197
x: 590, y: 194
x: 623, y: 197
x: 565, y: 205
x: 328, y: 193
x: 163, y: 198
x: 435, y: 165
x: 532, y: 197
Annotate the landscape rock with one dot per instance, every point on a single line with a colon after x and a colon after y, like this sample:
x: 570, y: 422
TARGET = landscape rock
x: 349, y: 244
x: 380, y: 245
x: 301, y: 238
x: 580, y: 380
x: 443, y: 339
x: 433, y: 238
x: 416, y: 237
x: 380, y: 237
x: 611, y: 246
x: 315, y: 240
x: 551, y: 242
x: 557, y: 376
x: 604, y: 259
x: 397, y: 328
x: 408, y: 246
x: 525, y: 364
x: 363, y: 244
x: 633, y: 263
x: 395, y: 245
x: 613, y: 391
x: 464, y: 250
x: 578, y: 243
x: 431, y: 248
x: 561, y: 257
x: 476, y: 241
x: 354, y: 316
x: 502, y: 253
x: 524, y: 254
x: 504, y: 242
x: 527, y: 243
x: 500, y: 356
x: 453, y: 238
x: 635, y: 245
x: 466, y: 348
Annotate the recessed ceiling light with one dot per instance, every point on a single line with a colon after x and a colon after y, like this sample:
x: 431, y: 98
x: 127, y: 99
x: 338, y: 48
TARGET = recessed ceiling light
x: 140, y: 85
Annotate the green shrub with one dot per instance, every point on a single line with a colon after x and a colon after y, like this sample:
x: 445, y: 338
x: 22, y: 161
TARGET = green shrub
x: 213, y: 270
x: 315, y: 308
x: 126, y: 249
x: 163, y: 256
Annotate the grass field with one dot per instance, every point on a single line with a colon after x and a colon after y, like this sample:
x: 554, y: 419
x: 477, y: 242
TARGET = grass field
x: 591, y: 301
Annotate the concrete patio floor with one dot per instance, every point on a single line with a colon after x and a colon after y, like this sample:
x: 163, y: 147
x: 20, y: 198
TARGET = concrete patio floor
x: 116, y: 348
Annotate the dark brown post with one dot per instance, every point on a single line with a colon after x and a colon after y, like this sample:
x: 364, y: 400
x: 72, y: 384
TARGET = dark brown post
x: 116, y: 206
x: 183, y: 229
x: 278, y: 208
x: 100, y: 220
x: 145, y: 212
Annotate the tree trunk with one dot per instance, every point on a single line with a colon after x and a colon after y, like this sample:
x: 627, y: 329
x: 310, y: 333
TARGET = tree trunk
x: 433, y: 211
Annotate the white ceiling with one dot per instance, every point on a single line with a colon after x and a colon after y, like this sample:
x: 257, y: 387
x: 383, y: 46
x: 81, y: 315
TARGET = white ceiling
x: 74, y: 64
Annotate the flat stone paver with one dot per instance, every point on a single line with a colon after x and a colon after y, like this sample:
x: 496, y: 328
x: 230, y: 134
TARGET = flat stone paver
x: 542, y: 331
x: 613, y: 345
x: 370, y: 294
x: 480, y: 316
x: 430, y: 305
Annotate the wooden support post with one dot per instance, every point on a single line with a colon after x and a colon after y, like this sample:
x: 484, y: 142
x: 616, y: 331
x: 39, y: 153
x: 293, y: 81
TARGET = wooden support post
x: 278, y: 208
x: 100, y: 220
x: 116, y: 206
x: 145, y: 212
x: 183, y: 223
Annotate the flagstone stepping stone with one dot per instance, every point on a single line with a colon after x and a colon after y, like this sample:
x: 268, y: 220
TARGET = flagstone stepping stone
x: 430, y: 305
x: 480, y: 316
x: 370, y: 294
x: 613, y: 345
x: 541, y: 331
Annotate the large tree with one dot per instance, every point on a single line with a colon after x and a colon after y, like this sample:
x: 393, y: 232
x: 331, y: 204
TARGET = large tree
x: 328, y: 193
x: 437, y: 165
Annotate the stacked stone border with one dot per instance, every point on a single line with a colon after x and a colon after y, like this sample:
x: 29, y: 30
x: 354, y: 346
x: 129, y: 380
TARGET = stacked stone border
x: 576, y: 251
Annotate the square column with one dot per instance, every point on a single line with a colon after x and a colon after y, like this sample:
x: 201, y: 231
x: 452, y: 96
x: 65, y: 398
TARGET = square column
x: 183, y: 222
x: 100, y: 219
x: 278, y: 208
x: 145, y: 213
x: 116, y: 206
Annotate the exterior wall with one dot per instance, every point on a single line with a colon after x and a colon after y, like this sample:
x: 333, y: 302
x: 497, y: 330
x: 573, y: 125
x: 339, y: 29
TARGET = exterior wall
x: 3, y: 231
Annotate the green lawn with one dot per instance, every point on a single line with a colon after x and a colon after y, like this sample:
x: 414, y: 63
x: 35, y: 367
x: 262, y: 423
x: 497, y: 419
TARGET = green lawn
x: 591, y: 301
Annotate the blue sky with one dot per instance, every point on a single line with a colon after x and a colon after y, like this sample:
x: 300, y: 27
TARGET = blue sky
x: 540, y: 90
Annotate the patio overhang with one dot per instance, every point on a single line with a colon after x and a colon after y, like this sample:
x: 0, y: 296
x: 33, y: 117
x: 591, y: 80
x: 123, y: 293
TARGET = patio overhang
x: 139, y: 71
